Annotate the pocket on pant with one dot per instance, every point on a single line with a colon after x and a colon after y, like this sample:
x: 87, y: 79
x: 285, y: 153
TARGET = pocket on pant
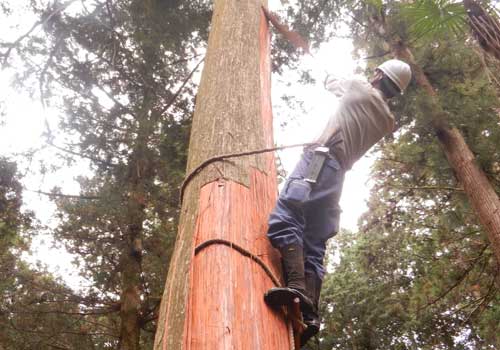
x: 297, y: 191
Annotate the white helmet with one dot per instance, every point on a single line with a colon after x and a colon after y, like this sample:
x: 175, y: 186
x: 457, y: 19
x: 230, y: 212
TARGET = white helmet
x: 398, y: 71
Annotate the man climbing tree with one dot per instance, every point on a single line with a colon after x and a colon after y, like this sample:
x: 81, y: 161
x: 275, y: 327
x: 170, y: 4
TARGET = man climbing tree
x: 307, y: 211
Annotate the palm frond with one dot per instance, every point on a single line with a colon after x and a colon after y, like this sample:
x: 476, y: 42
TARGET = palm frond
x: 431, y: 18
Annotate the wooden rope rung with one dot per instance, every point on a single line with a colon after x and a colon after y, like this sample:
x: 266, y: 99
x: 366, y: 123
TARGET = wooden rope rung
x: 209, y: 161
x: 241, y: 250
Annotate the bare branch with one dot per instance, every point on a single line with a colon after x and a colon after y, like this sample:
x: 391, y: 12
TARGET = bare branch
x: 177, y: 93
x: 60, y: 195
x: 100, y: 161
x: 458, y: 281
x: 23, y: 330
x: 86, y: 313
x: 426, y: 188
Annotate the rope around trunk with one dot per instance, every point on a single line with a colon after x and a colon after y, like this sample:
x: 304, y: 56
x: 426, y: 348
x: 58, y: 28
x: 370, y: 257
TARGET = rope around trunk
x: 242, y: 251
x: 223, y: 157
x: 261, y: 263
x: 230, y: 244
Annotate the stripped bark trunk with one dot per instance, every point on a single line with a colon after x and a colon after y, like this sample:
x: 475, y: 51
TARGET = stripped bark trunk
x: 214, y: 300
x: 479, y: 190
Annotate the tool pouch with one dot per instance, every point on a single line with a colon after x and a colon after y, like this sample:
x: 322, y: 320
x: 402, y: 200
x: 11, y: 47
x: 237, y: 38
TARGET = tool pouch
x: 298, y: 188
x: 316, y: 164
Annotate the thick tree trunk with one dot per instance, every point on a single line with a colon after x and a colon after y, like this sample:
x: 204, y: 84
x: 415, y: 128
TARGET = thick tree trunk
x: 480, y: 192
x: 214, y: 299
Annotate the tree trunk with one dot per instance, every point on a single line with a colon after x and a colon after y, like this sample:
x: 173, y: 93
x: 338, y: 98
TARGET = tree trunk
x: 479, y: 190
x: 214, y: 299
x: 130, y: 300
x: 131, y: 260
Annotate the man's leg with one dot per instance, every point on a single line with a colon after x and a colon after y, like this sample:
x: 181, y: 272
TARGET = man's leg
x: 322, y: 222
x: 324, y: 225
x: 286, y: 227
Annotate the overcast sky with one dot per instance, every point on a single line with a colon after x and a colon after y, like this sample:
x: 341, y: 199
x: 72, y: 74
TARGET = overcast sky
x: 23, y: 125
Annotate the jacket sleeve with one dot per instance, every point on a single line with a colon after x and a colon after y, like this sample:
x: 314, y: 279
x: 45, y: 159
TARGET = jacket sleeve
x: 337, y: 86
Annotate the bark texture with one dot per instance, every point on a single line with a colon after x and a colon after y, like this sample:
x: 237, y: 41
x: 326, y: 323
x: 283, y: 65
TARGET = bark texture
x: 214, y: 300
x: 479, y: 190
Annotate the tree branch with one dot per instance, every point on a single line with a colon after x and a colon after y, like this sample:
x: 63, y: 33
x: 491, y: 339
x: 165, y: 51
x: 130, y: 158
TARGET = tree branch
x: 45, y: 69
x: 385, y: 53
x: 458, y: 281
x: 184, y: 59
x: 110, y: 164
x: 177, y: 93
x: 15, y: 43
x: 487, y: 298
x: 89, y: 313
x: 425, y: 188
x: 60, y: 195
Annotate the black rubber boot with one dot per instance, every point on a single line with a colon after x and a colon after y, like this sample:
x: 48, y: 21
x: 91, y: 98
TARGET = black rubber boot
x: 312, y: 319
x: 293, y: 270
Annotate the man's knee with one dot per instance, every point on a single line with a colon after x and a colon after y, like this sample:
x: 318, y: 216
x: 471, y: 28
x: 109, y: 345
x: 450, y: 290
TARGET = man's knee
x: 286, y: 225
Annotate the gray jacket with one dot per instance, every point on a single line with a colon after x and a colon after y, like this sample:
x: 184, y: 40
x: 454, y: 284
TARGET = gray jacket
x: 361, y: 119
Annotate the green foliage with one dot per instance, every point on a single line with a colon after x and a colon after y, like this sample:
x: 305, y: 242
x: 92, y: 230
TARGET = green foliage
x: 12, y: 221
x: 35, y: 308
x: 420, y: 274
x: 430, y: 19
x: 119, y: 73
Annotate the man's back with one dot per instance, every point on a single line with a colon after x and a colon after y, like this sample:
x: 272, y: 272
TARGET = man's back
x: 361, y: 119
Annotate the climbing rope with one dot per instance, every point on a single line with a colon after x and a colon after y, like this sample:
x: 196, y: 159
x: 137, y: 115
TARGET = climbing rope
x: 261, y: 263
x: 223, y: 157
x: 242, y: 251
x: 230, y: 244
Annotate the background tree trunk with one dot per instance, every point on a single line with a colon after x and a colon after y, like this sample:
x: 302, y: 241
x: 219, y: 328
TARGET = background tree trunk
x: 480, y: 192
x: 131, y: 261
x: 214, y: 300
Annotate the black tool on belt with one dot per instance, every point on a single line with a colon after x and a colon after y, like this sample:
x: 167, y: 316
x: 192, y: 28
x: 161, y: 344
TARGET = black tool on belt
x: 321, y: 153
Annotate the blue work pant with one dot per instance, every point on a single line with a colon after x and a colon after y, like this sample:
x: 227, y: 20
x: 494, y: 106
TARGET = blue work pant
x: 308, y: 215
